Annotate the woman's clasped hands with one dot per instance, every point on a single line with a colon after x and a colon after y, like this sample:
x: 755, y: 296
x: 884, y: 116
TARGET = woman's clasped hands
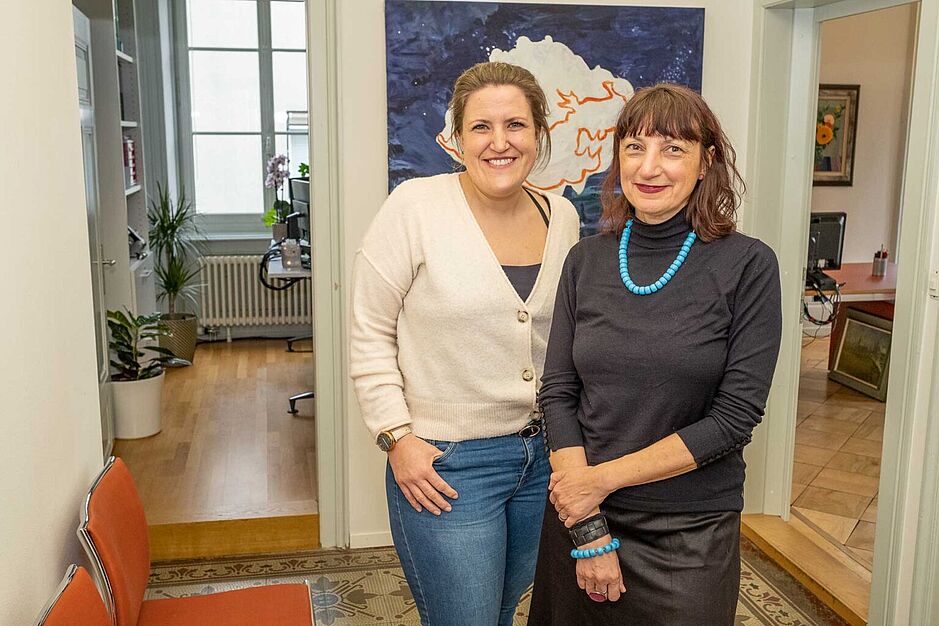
x: 576, y: 492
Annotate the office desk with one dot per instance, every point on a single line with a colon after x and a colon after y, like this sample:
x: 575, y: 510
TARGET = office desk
x: 276, y: 269
x: 860, y: 290
x: 857, y: 284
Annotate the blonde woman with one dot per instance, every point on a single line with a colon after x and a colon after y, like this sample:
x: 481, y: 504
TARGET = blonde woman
x: 452, y: 298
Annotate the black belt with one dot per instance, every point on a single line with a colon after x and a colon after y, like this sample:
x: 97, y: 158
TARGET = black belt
x: 532, y: 428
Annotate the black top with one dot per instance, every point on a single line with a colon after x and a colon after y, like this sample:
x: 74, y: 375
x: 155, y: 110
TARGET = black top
x: 697, y: 358
x: 522, y: 277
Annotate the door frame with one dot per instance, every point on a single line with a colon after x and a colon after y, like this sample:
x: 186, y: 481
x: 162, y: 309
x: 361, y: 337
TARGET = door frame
x: 326, y: 256
x: 784, y: 90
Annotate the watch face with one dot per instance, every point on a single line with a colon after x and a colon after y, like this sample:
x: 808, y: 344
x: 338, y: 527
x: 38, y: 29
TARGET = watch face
x: 385, y: 441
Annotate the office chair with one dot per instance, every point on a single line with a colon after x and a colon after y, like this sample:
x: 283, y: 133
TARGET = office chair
x: 76, y: 602
x: 114, y: 533
x: 299, y: 199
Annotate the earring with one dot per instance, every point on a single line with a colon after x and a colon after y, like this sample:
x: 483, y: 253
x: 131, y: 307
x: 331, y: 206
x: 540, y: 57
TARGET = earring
x: 700, y: 176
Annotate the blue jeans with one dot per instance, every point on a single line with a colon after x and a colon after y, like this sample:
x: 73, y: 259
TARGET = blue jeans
x: 469, y: 567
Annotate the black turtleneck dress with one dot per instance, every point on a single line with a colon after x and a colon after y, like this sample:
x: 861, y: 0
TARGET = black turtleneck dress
x: 624, y: 371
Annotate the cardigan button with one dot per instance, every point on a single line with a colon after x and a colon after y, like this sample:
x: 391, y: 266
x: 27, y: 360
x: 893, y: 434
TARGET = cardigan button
x: 523, y: 316
x: 528, y: 375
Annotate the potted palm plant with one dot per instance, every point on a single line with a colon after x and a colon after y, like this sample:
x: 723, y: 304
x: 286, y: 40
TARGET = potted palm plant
x: 174, y: 239
x: 137, y: 372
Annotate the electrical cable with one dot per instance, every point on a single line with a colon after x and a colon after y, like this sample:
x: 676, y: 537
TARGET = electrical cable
x: 286, y: 284
x: 830, y: 303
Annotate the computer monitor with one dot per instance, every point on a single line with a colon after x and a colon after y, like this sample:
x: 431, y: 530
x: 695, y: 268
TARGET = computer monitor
x: 826, y: 244
x: 300, y: 229
x: 299, y: 189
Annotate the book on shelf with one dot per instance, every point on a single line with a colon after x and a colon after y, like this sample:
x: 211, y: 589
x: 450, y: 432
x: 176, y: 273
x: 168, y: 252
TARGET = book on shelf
x: 131, y: 177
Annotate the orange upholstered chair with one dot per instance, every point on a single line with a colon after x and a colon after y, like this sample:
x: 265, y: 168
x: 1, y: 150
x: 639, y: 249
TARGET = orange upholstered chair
x: 76, y: 602
x: 113, y: 532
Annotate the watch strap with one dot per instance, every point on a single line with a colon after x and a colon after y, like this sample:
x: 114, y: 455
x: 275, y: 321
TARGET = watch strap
x: 400, y: 431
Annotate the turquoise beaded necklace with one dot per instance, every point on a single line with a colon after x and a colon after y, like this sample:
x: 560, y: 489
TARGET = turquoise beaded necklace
x: 645, y: 290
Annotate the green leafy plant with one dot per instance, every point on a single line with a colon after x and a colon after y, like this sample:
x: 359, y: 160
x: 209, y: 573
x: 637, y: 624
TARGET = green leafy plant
x: 175, y: 234
x: 130, y: 360
x: 277, y: 214
x: 304, y: 170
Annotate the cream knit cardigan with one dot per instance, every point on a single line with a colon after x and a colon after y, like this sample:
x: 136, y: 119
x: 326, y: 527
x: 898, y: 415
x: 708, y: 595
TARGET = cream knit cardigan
x: 440, y: 338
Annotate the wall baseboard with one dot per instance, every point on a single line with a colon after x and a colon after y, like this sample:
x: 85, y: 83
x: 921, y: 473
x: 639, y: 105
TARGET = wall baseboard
x: 255, y: 332
x: 370, y: 540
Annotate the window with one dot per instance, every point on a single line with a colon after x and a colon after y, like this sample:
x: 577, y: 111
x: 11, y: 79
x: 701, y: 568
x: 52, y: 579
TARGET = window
x: 242, y: 78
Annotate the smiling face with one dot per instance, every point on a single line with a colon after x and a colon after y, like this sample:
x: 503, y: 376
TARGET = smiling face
x: 498, y: 138
x: 658, y: 174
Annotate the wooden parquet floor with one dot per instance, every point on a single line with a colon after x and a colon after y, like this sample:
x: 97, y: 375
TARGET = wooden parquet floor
x: 229, y: 449
x: 836, y: 473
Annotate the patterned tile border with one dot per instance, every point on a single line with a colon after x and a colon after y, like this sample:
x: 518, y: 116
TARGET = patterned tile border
x: 367, y: 587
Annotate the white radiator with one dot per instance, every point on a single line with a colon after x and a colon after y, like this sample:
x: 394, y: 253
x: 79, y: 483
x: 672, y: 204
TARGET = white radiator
x: 232, y: 295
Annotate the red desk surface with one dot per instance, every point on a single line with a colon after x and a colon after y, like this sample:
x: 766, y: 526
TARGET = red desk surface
x: 857, y: 279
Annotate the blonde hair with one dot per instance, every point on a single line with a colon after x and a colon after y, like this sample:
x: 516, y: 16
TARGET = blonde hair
x: 494, y: 74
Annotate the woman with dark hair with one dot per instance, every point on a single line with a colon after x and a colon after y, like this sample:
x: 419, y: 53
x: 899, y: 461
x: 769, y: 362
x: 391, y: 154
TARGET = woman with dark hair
x: 665, y: 336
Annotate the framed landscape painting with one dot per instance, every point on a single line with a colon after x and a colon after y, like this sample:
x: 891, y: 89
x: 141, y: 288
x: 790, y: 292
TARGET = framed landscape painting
x: 835, y: 130
x: 862, y: 360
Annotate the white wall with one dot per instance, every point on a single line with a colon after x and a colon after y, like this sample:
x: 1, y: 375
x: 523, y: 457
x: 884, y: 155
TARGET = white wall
x: 50, y: 449
x: 873, y: 50
x: 364, y: 183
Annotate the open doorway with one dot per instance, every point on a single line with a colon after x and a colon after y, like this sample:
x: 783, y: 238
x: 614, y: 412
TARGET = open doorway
x: 788, y: 44
x: 222, y: 93
x: 865, y: 71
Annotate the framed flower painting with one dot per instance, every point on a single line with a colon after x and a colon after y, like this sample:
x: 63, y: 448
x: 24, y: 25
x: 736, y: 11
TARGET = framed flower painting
x: 835, y: 129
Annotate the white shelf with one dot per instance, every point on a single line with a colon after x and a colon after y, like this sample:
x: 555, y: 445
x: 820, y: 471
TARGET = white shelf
x: 123, y: 56
x: 132, y: 190
x: 128, y: 124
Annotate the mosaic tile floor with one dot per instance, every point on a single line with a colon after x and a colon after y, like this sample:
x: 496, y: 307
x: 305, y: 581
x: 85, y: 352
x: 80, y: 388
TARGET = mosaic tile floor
x: 367, y: 587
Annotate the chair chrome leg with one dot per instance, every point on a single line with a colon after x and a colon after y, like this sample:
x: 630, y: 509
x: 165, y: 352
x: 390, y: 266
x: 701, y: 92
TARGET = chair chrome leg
x: 306, y: 395
x: 292, y: 340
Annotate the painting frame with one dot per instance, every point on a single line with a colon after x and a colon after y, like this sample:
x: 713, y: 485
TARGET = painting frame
x: 862, y: 358
x: 835, y: 135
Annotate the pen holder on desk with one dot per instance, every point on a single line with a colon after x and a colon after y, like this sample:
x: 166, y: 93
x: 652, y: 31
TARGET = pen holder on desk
x: 290, y: 254
x: 879, y: 267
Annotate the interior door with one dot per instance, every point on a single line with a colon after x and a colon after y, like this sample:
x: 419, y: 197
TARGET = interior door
x: 89, y: 161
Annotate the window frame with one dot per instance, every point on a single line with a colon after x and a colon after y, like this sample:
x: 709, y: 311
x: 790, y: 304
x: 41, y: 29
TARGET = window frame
x: 220, y: 226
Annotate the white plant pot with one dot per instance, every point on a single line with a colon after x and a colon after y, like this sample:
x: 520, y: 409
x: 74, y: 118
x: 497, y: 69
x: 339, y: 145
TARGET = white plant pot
x: 137, y: 411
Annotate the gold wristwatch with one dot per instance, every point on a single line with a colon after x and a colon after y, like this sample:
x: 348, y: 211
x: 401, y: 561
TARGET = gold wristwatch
x: 388, y: 438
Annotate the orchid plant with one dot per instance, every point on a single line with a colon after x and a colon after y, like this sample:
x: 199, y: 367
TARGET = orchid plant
x: 276, y: 175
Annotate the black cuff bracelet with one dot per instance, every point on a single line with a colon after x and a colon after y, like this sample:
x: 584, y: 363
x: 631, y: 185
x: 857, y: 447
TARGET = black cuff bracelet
x: 589, y: 530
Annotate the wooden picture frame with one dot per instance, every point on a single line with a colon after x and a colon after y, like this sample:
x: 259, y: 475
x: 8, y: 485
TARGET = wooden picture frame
x: 862, y: 359
x: 835, y: 131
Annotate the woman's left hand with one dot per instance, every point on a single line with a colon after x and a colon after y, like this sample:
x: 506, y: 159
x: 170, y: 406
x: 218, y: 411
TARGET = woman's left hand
x: 576, y: 492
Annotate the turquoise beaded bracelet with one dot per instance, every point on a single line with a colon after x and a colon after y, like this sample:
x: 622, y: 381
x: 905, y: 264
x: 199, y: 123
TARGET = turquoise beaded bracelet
x: 592, y: 552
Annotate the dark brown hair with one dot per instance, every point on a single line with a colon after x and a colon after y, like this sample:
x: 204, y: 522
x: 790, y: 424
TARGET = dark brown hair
x: 494, y: 74
x: 668, y: 110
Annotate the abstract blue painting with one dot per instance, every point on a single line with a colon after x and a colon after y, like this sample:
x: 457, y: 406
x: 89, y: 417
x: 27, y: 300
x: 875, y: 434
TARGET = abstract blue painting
x: 589, y: 60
